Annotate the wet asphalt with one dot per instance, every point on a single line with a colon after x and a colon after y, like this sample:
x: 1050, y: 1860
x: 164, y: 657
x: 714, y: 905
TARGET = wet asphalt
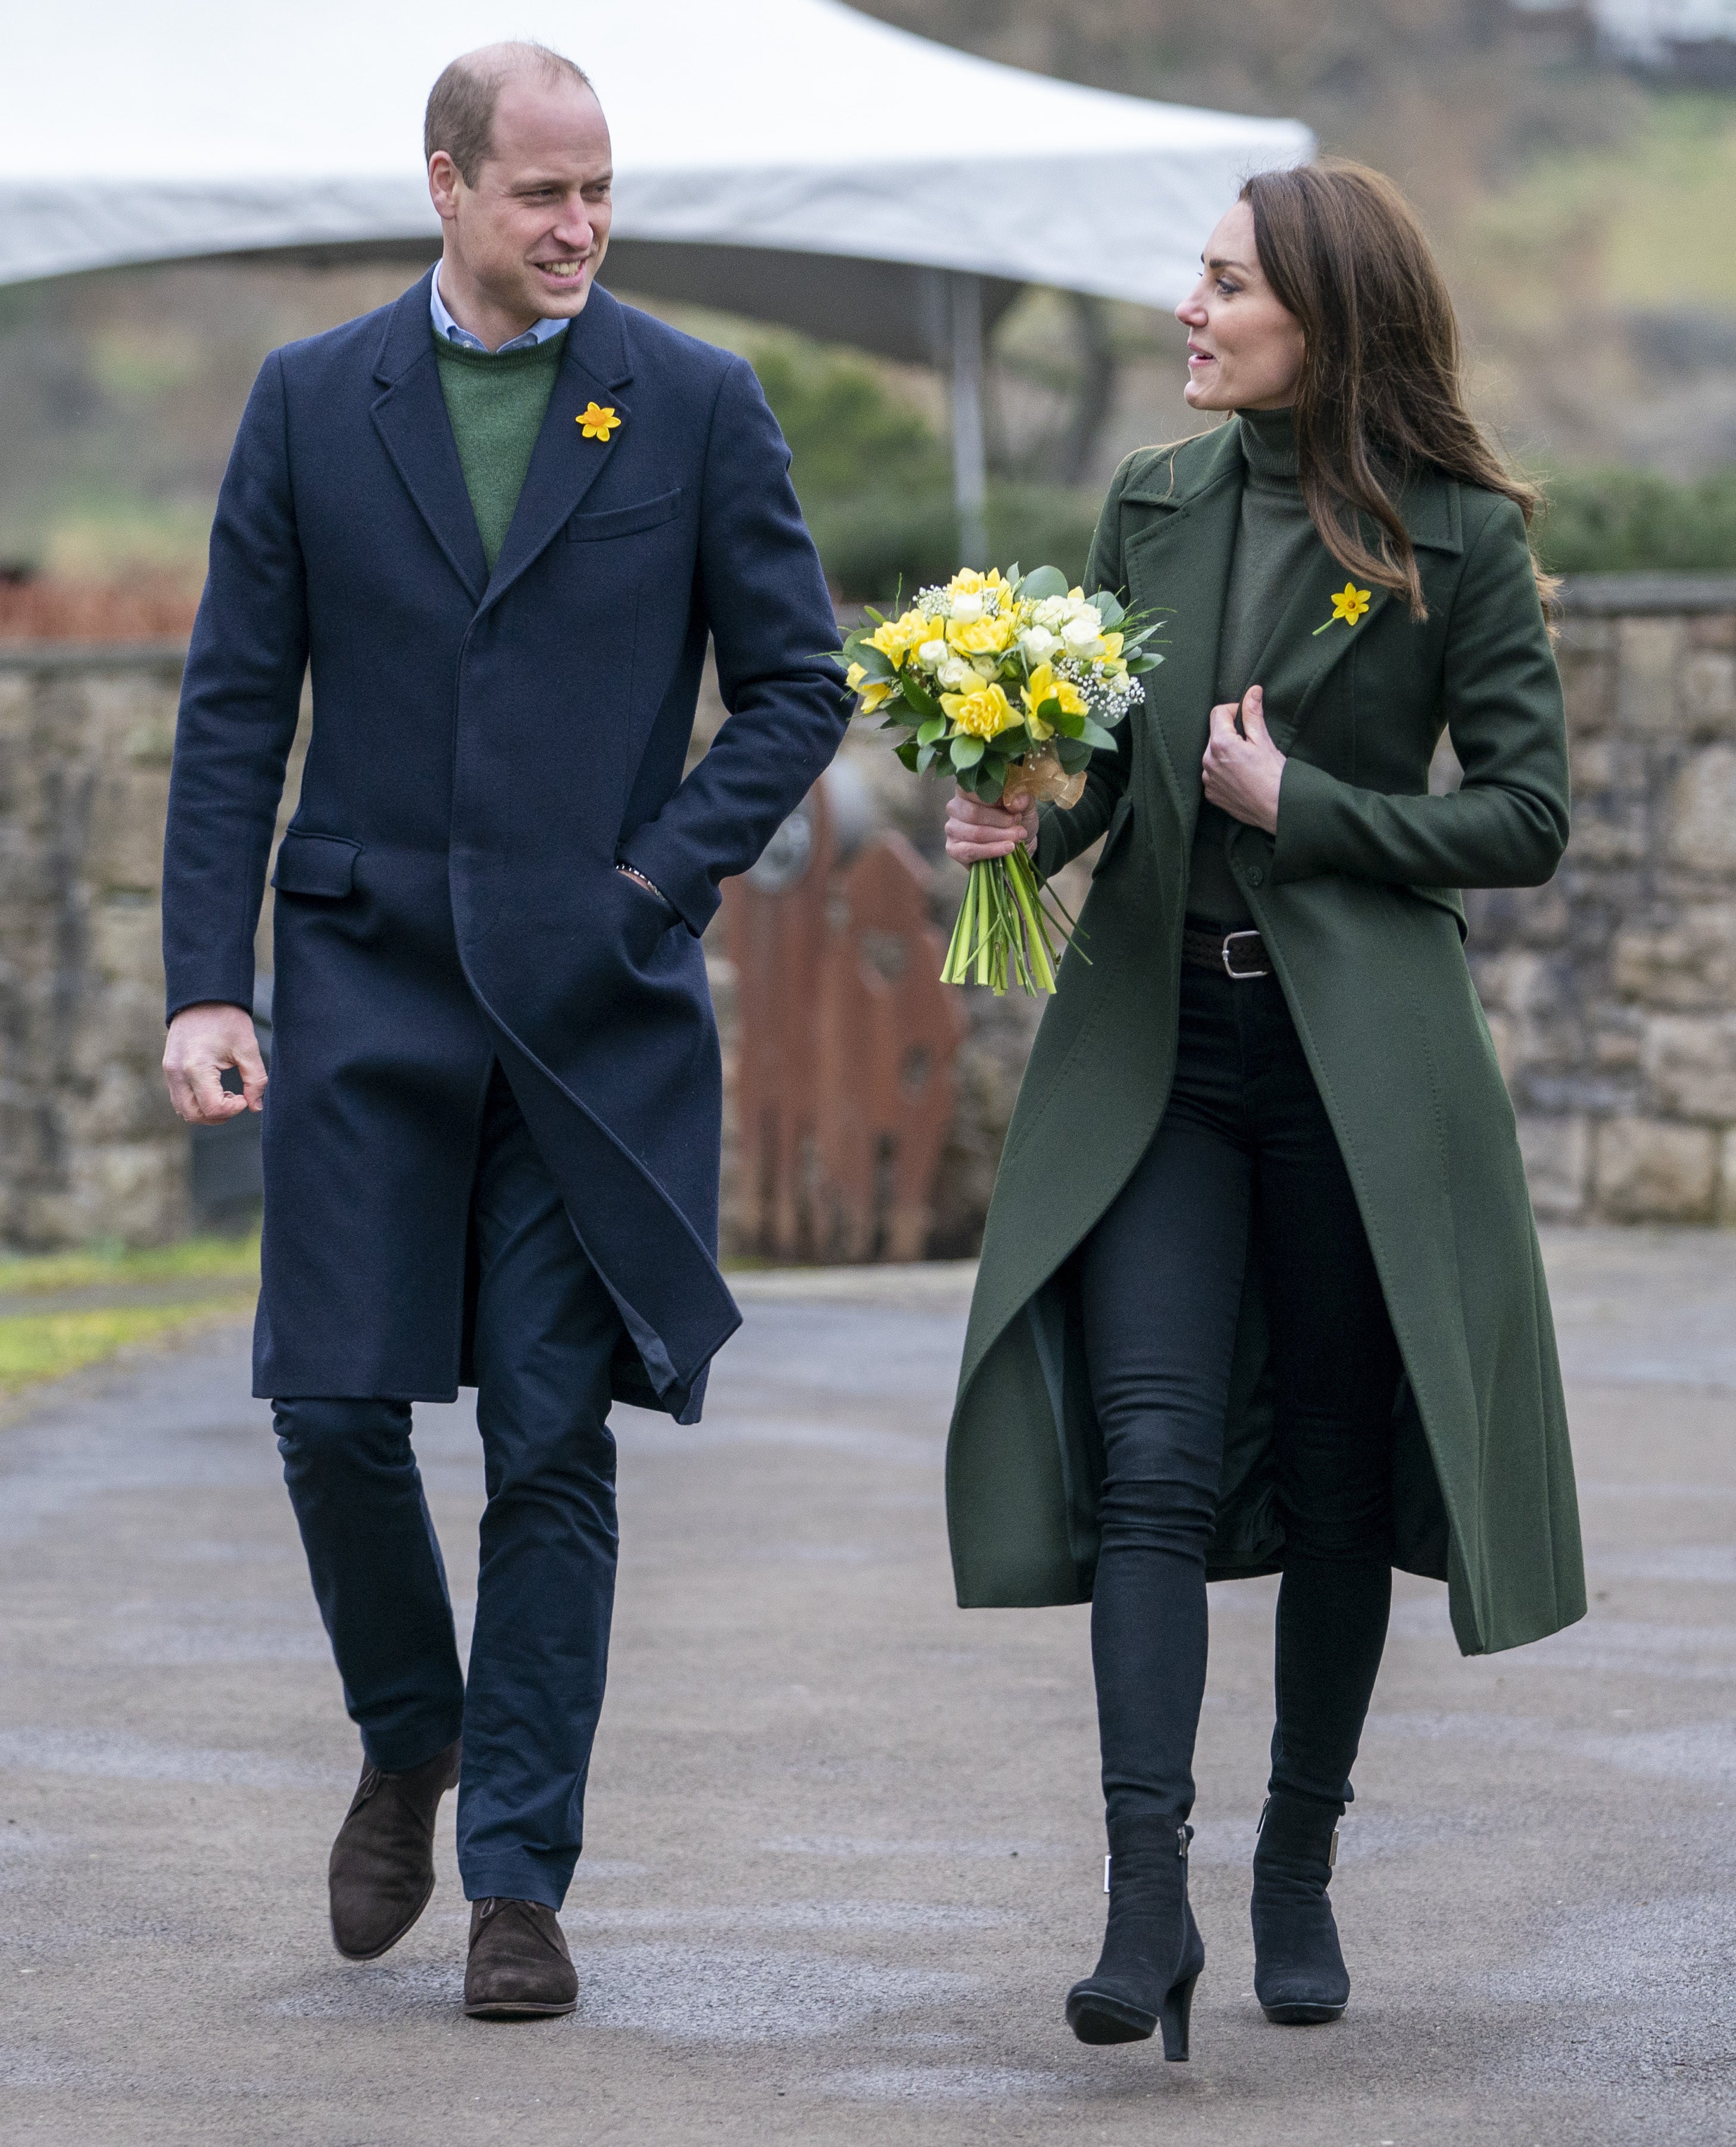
x: 845, y: 1850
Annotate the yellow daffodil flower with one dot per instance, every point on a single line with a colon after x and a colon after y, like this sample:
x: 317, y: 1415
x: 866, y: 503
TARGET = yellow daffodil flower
x: 1348, y: 604
x: 982, y: 637
x: 598, y: 425
x: 1044, y: 685
x: 984, y: 714
x: 898, y: 636
x: 874, y: 691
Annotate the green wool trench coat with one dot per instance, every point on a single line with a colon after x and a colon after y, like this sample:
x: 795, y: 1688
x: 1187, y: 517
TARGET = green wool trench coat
x: 1356, y: 897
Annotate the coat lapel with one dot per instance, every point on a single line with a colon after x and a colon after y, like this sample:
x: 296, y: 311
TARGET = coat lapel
x: 1179, y: 563
x: 565, y: 464
x: 1297, y: 660
x: 416, y: 432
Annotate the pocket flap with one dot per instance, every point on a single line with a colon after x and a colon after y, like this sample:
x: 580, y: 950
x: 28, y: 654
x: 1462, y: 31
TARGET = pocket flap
x: 624, y: 521
x: 315, y: 865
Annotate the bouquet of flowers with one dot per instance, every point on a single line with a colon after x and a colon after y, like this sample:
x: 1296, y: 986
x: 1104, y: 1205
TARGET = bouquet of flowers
x: 1005, y: 684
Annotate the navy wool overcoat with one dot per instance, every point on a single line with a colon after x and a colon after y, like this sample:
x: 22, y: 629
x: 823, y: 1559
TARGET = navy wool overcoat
x: 485, y: 749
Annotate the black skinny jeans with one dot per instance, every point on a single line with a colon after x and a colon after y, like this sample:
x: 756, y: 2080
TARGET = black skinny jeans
x: 1244, y: 1162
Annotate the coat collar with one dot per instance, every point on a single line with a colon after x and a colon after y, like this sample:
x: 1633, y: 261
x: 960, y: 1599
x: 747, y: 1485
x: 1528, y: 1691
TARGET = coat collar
x: 1181, y: 558
x: 410, y: 416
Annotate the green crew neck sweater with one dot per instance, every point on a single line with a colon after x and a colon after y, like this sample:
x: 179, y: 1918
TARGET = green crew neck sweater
x: 1275, y: 538
x: 497, y: 402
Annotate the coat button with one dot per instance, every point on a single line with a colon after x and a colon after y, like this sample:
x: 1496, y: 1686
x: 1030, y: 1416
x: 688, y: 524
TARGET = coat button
x: 1256, y: 876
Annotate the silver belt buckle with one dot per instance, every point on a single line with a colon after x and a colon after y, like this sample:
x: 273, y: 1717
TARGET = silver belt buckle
x: 1240, y: 976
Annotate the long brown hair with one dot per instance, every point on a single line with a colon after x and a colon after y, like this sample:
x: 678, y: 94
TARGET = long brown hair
x: 1380, y: 395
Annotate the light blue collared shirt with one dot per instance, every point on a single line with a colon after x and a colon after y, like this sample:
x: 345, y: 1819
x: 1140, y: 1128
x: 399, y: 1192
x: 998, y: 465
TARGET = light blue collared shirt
x: 446, y: 326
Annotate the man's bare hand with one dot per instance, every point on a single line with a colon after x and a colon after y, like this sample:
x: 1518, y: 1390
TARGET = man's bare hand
x: 204, y: 1041
x: 976, y: 832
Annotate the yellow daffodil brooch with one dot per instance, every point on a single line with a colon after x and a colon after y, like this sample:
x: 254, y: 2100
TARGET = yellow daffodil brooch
x: 1348, y: 604
x: 597, y: 423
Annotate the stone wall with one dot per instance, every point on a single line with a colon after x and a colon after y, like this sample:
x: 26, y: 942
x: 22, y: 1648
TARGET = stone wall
x: 89, y: 1148
x: 1611, y: 993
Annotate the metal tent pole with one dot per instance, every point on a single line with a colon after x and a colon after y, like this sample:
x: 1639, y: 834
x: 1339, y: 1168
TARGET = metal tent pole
x: 970, y: 477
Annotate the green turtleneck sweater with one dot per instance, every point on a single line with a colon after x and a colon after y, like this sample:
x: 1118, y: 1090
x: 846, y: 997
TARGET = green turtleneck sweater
x: 497, y: 402
x: 1275, y: 538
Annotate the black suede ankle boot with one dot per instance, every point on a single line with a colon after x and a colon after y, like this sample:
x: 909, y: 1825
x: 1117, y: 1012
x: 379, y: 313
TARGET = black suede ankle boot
x: 1299, y: 1975
x: 1152, y: 1953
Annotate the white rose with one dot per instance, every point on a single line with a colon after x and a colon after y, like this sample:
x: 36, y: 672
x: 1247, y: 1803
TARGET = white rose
x: 1051, y: 611
x: 1083, y: 634
x: 1038, y: 643
x: 966, y: 607
x: 956, y: 674
x: 932, y: 654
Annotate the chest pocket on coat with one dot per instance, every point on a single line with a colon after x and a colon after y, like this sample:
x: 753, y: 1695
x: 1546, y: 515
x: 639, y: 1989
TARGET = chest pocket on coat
x: 315, y: 865
x: 624, y: 521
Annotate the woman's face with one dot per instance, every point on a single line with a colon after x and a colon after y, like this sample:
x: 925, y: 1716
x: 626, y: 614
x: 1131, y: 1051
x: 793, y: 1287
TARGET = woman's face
x: 1244, y: 351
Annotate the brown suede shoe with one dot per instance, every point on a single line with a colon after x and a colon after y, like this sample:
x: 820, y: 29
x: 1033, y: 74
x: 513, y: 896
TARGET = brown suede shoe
x: 519, y: 1967
x: 382, y: 1870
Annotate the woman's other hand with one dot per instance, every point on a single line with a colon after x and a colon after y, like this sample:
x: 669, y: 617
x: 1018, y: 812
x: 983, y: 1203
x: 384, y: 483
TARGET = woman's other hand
x: 976, y: 832
x: 1242, y: 769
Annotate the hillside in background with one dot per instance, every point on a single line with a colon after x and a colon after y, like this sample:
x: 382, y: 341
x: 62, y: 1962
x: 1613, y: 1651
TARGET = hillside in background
x: 1585, y: 219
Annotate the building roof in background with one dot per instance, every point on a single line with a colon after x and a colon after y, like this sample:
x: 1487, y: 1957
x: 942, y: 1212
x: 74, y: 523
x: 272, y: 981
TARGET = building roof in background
x: 190, y: 128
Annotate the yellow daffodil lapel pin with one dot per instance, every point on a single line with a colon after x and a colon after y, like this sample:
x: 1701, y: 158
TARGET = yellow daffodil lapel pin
x: 1348, y: 604
x: 598, y: 423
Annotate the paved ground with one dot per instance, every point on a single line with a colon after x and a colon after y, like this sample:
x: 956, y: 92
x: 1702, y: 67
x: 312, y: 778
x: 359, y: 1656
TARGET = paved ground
x: 844, y: 1846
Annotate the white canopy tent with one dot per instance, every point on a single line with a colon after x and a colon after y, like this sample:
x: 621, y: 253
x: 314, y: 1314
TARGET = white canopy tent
x: 790, y: 159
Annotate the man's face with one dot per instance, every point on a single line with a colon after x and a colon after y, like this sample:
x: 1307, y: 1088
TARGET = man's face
x: 531, y: 233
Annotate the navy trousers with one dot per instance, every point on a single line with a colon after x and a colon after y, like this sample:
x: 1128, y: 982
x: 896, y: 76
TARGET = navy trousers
x: 1244, y: 1162
x: 546, y: 1328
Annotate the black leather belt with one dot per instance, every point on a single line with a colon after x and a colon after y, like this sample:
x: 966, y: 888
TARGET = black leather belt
x: 1241, y: 956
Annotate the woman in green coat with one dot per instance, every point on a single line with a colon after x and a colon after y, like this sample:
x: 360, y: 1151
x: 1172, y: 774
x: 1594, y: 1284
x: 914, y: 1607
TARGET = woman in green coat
x: 1260, y: 1290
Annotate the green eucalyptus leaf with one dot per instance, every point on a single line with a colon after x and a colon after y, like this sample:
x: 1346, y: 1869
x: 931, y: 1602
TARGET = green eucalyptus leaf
x: 932, y: 728
x: 1095, y: 734
x: 966, y: 751
x: 1073, y: 753
x: 918, y: 694
x: 1044, y: 582
x: 925, y: 758
x: 875, y: 662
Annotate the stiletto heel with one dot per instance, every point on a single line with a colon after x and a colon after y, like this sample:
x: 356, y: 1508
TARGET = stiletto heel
x: 1178, y: 2011
x: 1152, y: 1953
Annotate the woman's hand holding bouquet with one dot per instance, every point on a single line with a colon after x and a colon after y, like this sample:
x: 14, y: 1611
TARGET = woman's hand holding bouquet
x: 1005, y: 685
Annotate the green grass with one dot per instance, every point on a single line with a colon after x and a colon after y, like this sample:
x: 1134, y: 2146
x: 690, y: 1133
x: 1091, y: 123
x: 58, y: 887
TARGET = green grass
x: 100, y: 1266
x: 209, y: 1276
x: 47, y: 1345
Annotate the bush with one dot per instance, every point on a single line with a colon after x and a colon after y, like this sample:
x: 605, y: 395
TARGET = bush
x: 878, y: 543
x: 1620, y: 521
x: 875, y: 480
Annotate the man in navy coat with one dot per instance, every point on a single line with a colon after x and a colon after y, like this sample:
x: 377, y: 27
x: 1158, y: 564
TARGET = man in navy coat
x: 499, y: 519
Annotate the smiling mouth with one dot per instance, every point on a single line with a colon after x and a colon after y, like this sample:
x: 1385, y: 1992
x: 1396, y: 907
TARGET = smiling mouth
x: 1196, y: 356
x: 565, y: 272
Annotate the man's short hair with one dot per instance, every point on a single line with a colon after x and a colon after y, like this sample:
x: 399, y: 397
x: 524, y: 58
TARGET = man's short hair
x: 460, y: 116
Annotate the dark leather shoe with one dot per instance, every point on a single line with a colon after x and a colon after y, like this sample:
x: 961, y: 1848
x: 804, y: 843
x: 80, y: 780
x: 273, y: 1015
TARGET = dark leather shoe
x: 519, y: 1967
x: 382, y: 1871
